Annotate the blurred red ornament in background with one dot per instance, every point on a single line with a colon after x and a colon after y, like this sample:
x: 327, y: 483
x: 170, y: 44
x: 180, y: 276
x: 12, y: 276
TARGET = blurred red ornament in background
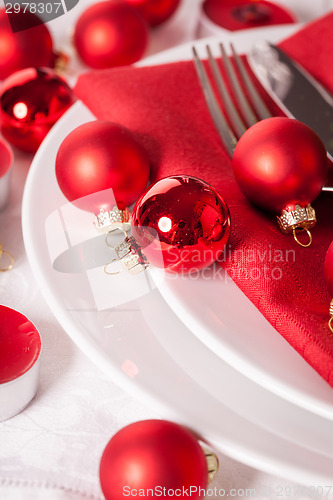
x: 110, y: 33
x: 152, y: 455
x: 155, y: 12
x: 181, y: 223
x: 241, y: 14
x: 23, y: 49
x: 99, y: 156
x: 31, y: 101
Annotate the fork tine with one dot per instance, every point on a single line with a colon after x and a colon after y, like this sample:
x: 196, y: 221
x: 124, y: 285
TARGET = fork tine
x: 241, y: 98
x: 231, y: 111
x: 259, y: 105
x: 228, y: 138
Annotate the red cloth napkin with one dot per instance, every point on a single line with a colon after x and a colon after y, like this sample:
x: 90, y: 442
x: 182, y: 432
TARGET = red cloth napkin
x: 164, y: 106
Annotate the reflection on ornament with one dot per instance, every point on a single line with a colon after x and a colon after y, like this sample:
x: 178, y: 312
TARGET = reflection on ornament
x: 31, y: 101
x: 280, y: 164
x: 20, y: 110
x: 164, y: 224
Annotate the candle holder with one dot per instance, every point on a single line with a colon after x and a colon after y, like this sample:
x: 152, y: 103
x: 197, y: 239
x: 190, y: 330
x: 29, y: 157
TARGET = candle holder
x: 6, y: 163
x: 20, y: 347
x: 234, y: 15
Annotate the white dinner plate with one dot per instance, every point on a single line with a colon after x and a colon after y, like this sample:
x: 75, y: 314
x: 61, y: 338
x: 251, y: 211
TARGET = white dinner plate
x: 138, y: 341
x: 228, y: 323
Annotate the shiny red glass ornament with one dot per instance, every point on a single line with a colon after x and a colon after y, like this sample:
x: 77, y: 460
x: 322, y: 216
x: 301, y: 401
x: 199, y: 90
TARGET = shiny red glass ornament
x: 155, y: 12
x: 280, y: 162
x: 98, y: 156
x: 181, y: 224
x: 28, y: 48
x: 241, y: 14
x: 110, y: 34
x: 153, y: 455
x: 31, y: 101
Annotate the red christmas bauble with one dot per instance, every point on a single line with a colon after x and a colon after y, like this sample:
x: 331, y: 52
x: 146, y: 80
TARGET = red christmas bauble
x: 31, y: 101
x: 27, y: 48
x: 155, y: 12
x: 109, y: 34
x: 279, y: 163
x: 153, y: 454
x: 181, y: 223
x: 328, y: 269
x: 98, y: 156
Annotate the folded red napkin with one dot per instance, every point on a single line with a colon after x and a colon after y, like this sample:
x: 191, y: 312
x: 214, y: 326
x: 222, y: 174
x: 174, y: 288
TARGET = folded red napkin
x: 164, y: 106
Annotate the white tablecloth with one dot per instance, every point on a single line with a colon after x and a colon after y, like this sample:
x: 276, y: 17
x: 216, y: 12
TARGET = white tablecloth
x: 52, y: 449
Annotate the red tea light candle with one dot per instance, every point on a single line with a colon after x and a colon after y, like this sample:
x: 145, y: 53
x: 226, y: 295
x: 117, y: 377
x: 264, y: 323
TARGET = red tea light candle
x: 235, y: 15
x: 20, y: 347
x: 6, y: 162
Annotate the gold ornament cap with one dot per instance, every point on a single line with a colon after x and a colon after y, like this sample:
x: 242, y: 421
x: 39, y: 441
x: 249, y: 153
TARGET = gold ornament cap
x: 111, y: 220
x: 298, y: 218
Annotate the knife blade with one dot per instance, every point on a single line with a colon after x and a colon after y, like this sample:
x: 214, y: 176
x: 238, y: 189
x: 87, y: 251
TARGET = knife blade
x: 294, y: 90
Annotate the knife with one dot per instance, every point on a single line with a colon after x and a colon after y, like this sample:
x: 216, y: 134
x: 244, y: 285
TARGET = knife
x: 294, y: 90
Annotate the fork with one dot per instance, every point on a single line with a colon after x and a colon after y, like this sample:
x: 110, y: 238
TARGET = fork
x: 251, y: 112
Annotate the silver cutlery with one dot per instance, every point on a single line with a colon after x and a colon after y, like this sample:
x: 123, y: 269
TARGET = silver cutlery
x: 253, y: 108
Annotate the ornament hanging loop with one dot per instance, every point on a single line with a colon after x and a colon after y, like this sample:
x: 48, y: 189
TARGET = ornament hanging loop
x: 11, y: 260
x: 108, y: 272
x: 304, y: 245
x: 330, y: 322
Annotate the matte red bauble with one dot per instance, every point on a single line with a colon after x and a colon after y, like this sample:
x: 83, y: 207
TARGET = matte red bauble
x: 155, y: 12
x: 110, y: 33
x: 280, y: 164
x: 153, y: 455
x: 99, y: 156
x: 181, y: 223
x: 31, y: 101
x: 28, y: 48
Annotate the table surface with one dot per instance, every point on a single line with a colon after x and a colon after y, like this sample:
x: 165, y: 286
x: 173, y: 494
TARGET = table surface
x: 52, y: 449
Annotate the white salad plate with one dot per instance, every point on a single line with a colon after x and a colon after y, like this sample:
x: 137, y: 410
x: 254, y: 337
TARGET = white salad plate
x: 123, y: 324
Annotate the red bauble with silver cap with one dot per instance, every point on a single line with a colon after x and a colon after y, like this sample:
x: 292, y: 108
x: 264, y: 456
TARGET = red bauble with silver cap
x: 280, y: 164
x: 153, y: 456
x: 181, y: 223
